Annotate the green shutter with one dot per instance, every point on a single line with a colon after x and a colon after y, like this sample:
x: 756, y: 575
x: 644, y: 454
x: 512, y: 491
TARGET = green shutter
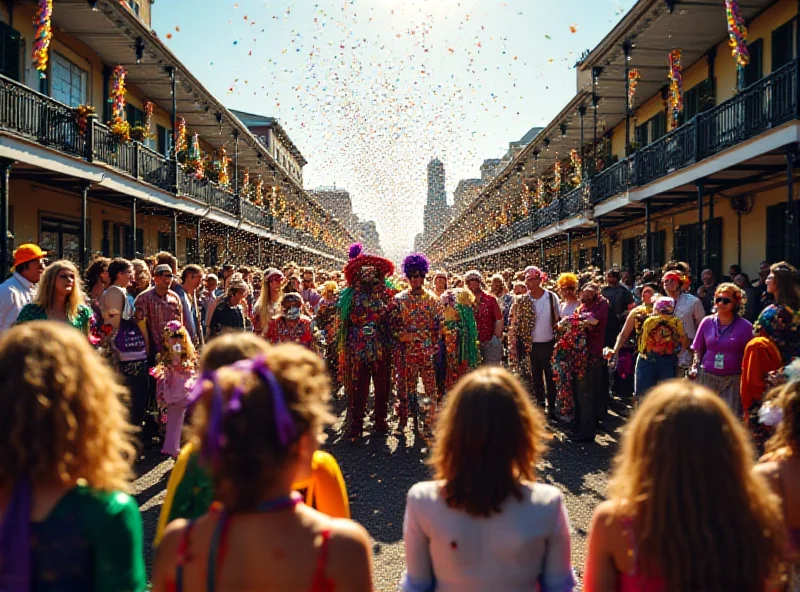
x: 783, y: 45
x: 10, y: 48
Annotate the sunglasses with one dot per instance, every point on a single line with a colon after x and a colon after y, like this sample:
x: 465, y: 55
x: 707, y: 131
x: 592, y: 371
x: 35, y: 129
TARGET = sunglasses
x: 412, y: 276
x: 722, y: 300
x: 166, y: 275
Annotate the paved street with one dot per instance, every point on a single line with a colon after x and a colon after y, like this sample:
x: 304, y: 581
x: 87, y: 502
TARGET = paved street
x: 380, y: 471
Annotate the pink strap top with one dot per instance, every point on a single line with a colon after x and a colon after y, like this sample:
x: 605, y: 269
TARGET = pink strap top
x: 633, y: 581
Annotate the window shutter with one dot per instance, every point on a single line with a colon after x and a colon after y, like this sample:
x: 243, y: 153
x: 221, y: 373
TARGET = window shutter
x: 139, y: 241
x: 10, y: 44
x: 714, y: 237
x: 754, y: 70
x: 782, y: 45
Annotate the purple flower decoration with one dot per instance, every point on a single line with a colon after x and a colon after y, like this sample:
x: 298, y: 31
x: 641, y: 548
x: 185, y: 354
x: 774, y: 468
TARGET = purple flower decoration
x: 415, y: 262
x: 356, y: 249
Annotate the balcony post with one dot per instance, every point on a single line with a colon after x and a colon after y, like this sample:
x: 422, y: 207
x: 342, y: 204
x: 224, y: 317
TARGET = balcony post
x: 626, y: 50
x: 5, y: 178
x: 175, y: 233
x: 648, y: 237
x: 259, y: 250
x: 132, y: 250
x: 582, y: 113
x: 174, y: 91
x: 701, y: 233
x: 569, y: 250
x: 227, y: 245
x: 236, y: 162
x: 83, y: 236
x: 599, y: 241
x: 789, y: 228
x: 136, y: 152
x: 89, y: 139
x: 197, y: 237
x: 707, y: 245
x: 541, y: 253
x: 107, y: 72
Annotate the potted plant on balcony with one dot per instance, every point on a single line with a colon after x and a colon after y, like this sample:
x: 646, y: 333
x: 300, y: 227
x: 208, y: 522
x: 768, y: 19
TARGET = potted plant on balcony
x: 140, y: 133
x: 82, y: 115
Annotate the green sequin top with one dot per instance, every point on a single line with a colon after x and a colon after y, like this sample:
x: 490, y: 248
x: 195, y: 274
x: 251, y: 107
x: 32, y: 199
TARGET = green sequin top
x: 34, y: 312
x: 90, y: 542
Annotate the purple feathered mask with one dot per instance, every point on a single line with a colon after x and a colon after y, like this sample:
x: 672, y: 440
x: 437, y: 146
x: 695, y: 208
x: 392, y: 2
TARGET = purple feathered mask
x: 356, y: 249
x: 415, y: 262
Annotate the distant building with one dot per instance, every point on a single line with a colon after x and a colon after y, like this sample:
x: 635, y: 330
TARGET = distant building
x: 337, y: 201
x: 437, y: 212
x: 489, y: 170
x: 370, y: 238
x: 465, y: 193
x: 272, y: 136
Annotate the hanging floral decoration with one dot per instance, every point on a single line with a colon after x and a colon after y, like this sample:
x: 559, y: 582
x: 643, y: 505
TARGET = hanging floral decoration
x: 44, y: 33
x: 180, y: 137
x: 258, y: 195
x: 633, y: 80
x: 737, y: 33
x: 557, y: 178
x: 141, y: 131
x: 675, y: 85
x: 245, y: 188
x: 224, y: 161
x: 577, y: 166
x: 82, y: 115
x: 120, y: 128
x: 194, y: 160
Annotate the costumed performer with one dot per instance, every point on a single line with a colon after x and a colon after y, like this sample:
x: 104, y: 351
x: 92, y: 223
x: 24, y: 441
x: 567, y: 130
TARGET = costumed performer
x: 460, y: 334
x: 290, y: 325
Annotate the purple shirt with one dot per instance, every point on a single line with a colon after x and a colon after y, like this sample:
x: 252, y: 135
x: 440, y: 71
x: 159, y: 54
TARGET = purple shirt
x: 730, y: 341
x: 595, y: 334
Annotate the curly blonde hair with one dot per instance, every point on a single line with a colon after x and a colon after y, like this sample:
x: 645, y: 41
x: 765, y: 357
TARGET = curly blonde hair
x: 737, y: 293
x: 683, y: 472
x: 488, y: 437
x: 63, y: 411
x: 252, y: 454
x: 567, y: 280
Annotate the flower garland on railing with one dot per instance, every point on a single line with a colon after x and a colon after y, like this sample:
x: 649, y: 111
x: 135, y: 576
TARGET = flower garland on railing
x: 120, y: 128
x: 194, y: 160
x: 224, y: 161
x: 245, y: 187
x: 258, y: 196
x: 44, y: 33
x: 633, y: 80
x: 675, y: 86
x: 737, y: 33
x: 82, y: 115
x: 577, y: 166
x: 557, y: 178
x: 180, y: 137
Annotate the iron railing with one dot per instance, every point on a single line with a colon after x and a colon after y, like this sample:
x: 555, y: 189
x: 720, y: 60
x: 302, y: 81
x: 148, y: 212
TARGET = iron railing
x: 37, y: 117
x: 770, y: 102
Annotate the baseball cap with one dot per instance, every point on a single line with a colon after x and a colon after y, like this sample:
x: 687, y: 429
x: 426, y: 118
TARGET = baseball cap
x: 163, y: 268
x: 28, y: 252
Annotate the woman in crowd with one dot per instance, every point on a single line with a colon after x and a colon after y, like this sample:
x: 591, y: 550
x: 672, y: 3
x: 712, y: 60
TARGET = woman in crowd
x: 65, y: 463
x: 485, y: 523
x: 290, y: 325
x: 685, y: 511
x: 59, y: 298
x: 229, y: 313
x: 115, y: 304
x: 257, y: 423
x: 780, y: 321
x: 268, y: 304
x: 661, y: 339
x: 189, y: 490
x: 719, y: 346
x: 96, y: 281
x: 567, y: 288
x: 141, y: 278
x: 781, y: 464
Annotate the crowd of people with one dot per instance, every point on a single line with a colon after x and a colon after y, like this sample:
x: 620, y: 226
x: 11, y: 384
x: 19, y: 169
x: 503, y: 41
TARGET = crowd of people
x: 97, y: 368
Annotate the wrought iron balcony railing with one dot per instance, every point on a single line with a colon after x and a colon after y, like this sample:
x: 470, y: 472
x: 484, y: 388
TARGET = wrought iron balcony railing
x: 768, y: 103
x: 37, y: 117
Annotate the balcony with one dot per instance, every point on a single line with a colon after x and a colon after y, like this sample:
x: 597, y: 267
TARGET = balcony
x: 38, y: 118
x: 770, y: 102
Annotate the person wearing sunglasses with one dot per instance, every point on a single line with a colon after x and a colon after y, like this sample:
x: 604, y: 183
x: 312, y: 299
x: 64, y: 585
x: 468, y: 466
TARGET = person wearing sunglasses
x: 155, y: 307
x: 719, y: 346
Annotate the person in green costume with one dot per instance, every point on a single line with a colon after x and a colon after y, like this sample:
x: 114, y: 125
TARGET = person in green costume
x: 66, y: 523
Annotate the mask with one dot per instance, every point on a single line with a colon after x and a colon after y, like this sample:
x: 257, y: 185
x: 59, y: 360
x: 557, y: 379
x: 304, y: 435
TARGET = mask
x: 293, y: 313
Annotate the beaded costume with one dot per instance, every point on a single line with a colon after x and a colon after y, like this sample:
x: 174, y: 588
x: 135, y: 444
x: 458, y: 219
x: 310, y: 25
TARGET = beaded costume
x: 460, y: 333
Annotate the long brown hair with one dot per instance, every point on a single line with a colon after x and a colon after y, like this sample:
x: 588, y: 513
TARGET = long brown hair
x: 787, y: 433
x: 786, y: 281
x: 488, y: 439
x: 701, y: 519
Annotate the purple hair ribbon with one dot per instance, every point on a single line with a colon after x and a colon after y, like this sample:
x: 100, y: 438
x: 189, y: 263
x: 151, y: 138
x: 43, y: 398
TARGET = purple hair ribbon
x: 284, y: 424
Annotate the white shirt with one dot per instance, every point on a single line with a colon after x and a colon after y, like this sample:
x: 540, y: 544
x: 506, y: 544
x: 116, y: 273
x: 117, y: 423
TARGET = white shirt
x: 543, y: 327
x: 689, y: 309
x: 511, y: 551
x: 15, y: 293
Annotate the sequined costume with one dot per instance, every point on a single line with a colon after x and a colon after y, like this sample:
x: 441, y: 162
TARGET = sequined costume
x: 363, y: 339
x: 282, y: 330
x: 327, y: 321
x: 460, y: 334
x: 416, y: 321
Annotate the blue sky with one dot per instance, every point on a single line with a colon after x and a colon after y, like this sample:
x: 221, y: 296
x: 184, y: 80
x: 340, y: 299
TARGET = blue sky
x: 371, y: 90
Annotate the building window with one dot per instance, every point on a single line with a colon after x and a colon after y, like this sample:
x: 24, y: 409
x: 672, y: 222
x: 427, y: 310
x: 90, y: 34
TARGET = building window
x: 651, y: 130
x: 192, y: 254
x: 755, y: 69
x: 211, y: 254
x: 68, y: 81
x: 783, y: 50
x: 165, y: 242
x: 10, y: 51
x: 697, y: 99
x: 162, y: 140
x: 776, y: 233
x: 686, y: 246
x: 135, y: 7
x: 134, y: 115
x: 62, y: 238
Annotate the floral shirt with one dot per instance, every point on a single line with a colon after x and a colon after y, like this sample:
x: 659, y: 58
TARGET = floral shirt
x: 418, y: 316
x: 156, y: 312
x: 34, y: 312
x: 780, y: 324
x: 280, y: 330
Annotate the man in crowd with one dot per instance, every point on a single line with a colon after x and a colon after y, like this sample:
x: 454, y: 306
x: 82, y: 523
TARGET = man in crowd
x: 764, y: 297
x: 489, y: 319
x: 706, y: 290
x: 439, y: 282
x: 191, y: 276
x: 546, y: 307
x: 620, y: 301
x: 20, y: 288
x: 688, y: 308
x: 308, y: 289
x: 157, y: 306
